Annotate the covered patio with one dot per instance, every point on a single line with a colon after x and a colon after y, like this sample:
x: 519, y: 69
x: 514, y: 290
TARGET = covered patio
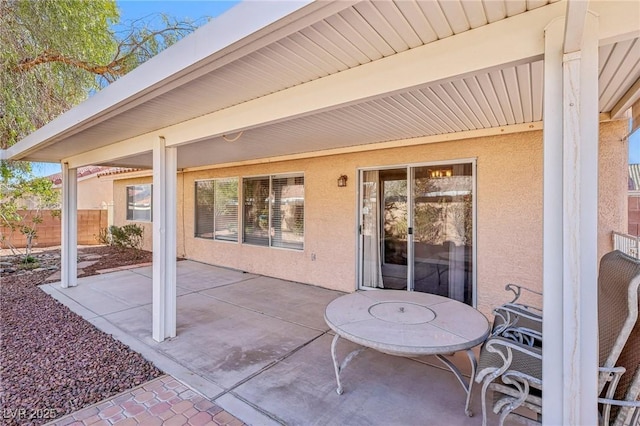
x: 332, y: 88
x: 259, y: 348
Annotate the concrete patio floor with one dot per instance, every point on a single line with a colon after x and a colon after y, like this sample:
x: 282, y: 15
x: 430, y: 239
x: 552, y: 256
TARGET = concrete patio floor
x: 259, y: 348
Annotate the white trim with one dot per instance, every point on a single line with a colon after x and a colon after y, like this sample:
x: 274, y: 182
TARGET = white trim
x: 164, y: 242
x: 552, y: 266
x: 69, y: 235
x: 628, y: 99
x: 270, y: 176
x: 410, y: 167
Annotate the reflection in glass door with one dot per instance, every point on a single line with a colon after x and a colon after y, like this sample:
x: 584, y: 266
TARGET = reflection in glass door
x: 416, y: 229
x: 393, y: 184
x: 442, y: 203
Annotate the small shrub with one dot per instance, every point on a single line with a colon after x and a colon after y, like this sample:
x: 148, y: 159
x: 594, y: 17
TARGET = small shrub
x: 29, y: 262
x: 127, y: 236
x: 104, y: 237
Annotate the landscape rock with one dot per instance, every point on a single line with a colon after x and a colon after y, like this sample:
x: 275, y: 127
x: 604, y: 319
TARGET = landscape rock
x: 51, y: 358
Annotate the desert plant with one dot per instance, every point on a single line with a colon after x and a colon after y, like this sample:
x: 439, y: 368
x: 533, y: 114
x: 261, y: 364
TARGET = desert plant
x: 104, y: 237
x: 29, y: 262
x: 127, y: 236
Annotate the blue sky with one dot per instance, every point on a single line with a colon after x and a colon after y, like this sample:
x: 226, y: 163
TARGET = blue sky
x: 634, y: 147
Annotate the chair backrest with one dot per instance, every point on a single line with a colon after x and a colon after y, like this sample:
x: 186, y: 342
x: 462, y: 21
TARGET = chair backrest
x: 629, y: 385
x: 618, y: 283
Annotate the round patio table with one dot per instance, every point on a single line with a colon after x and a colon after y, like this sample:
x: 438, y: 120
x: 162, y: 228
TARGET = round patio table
x: 409, y: 324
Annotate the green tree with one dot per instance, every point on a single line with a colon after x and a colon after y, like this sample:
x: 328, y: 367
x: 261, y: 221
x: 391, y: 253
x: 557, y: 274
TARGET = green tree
x: 24, y: 202
x: 53, y: 55
x: 56, y: 52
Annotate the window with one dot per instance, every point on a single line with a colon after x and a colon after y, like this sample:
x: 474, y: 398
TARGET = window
x: 139, y: 203
x: 274, y: 211
x: 217, y: 209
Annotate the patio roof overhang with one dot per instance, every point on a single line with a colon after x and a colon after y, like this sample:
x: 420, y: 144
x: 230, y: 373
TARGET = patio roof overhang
x: 300, y: 79
x: 297, y: 78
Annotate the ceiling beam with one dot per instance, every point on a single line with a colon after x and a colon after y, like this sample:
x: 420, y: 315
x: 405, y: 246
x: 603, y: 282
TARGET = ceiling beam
x: 110, y: 153
x: 574, y: 26
x: 482, y: 49
x: 479, y: 50
x: 426, y: 64
x: 625, y: 102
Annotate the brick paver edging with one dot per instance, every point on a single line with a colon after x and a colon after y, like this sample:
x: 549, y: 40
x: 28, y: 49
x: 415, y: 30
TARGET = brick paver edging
x: 162, y: 401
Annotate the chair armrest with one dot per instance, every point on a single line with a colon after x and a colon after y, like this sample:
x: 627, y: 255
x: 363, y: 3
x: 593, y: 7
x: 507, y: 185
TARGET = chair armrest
x: 523, y: 335
x: 608, y: 402
x: 500, y: 354
x: 515, y: 309
x: 517, y: 289
x: 519, y: 323
x: 613, y: 376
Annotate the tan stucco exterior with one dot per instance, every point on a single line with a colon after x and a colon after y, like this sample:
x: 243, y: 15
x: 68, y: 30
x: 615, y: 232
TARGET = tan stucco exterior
x: 94, y: 193
x: 509, y: 211
x: 120, y: 207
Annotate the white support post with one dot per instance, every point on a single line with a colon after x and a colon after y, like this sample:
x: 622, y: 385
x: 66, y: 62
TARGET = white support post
x: 69, y: 237
x: 164, y: 240
x: 570, y: 353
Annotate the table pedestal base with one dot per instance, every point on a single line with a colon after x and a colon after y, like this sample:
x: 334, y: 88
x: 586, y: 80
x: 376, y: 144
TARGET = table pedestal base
x: 347, y: 360
x: 466, y: 386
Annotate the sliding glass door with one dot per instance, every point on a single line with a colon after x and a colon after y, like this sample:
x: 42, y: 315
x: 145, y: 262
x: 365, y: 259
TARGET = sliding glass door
x: 417, y: 229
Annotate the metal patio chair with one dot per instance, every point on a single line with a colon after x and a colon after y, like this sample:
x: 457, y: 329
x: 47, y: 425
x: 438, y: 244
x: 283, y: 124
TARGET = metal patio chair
x: 620, y: 404
x: 512, y: 368
x: 517, y: 320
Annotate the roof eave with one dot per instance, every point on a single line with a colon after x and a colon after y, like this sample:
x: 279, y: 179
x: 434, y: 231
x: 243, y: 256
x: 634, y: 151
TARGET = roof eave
x: 238, y: 27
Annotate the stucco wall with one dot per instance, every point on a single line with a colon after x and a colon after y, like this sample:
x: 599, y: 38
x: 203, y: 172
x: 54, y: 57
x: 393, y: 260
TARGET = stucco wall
x: 120, y: 207
x: 94, y: 193
x: 613, y: 183
x: 120, y: 210
x: 509, y: 211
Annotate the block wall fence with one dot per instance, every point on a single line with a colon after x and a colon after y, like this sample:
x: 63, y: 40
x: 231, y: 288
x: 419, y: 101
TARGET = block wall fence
x: 49, y: 231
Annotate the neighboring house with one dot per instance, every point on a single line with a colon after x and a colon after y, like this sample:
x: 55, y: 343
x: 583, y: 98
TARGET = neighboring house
x: 356, y: 145
x: 93, y: 193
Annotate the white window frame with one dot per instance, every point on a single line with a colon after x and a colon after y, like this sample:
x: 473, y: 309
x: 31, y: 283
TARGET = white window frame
x: 214, y: 237
x: 474, y: 217
x: 270, y: 201
x: 129, y: 213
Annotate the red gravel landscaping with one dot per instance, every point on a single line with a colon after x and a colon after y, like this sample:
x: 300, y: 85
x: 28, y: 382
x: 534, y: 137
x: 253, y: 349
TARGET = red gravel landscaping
x: 52, y: 361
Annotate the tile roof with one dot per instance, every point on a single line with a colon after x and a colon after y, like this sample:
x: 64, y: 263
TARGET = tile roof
x: 56, y: 178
